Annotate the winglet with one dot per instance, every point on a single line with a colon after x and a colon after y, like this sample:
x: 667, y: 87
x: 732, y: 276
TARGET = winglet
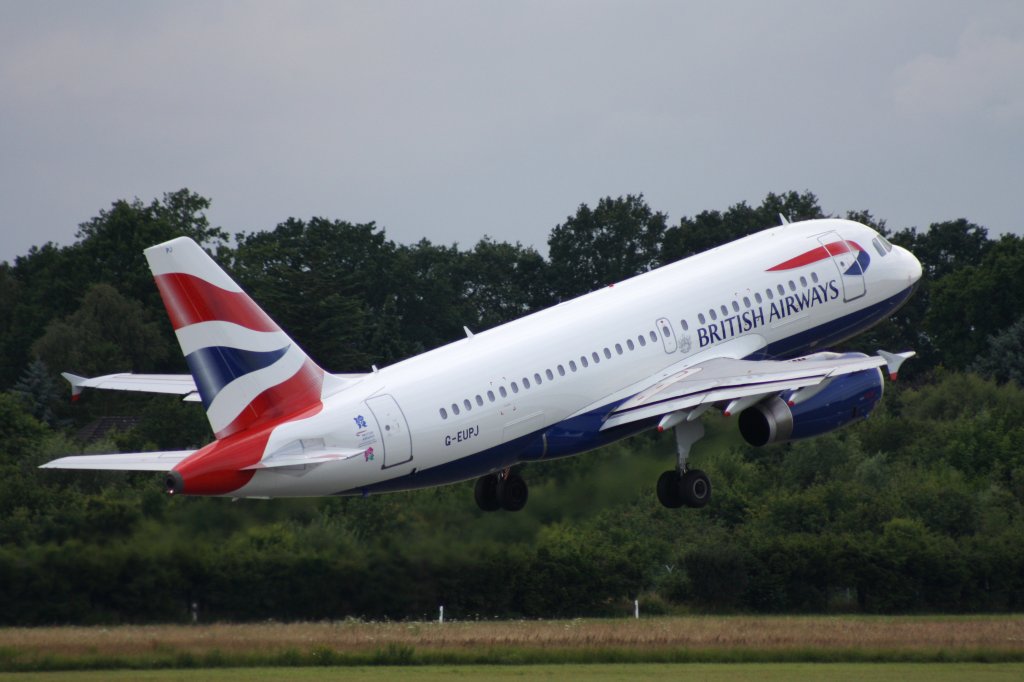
x: 894, y: 361
x: 76, y: 384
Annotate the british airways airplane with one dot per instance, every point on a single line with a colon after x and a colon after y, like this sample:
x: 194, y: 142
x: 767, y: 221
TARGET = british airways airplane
x: 742, y: 329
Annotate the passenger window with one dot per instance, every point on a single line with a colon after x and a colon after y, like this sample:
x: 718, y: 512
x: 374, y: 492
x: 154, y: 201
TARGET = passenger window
x: 502, y: 391
x: 444, y: 413
x: 685, y: 325
x: 607, y: 353
x: 814, y: 277
x: 701, y: 318
x: 561, y: 371
x: 469, y: 405
x: 515, y: 387
x: 526, y: 382
x: 642, y: 340
x: 782, y: 290
x: 618, y: 348
x: 479, y: 400
x: 630, y: 345
x: 455, y: 409
x: 572, y: 365
x: 583, y: 361
x: 665, y: 331
x: 654, y: 337
x: 725, y: 311
x: 595, y: 357
x: 792, y: 285
x: 536, y: 377
x: 803, y: 282
x: 490, y: 396
x: 768, y: 292
x: 746, y: 302
x: 757, y: 297
x: 713, y: 314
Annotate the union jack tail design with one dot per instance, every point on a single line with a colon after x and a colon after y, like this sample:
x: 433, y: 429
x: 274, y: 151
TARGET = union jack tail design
x: 246, y: 369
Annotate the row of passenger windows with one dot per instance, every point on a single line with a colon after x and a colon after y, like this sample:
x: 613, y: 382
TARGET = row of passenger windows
x: 768, y: 293
x: 561, y: 370
x: 641, y: 341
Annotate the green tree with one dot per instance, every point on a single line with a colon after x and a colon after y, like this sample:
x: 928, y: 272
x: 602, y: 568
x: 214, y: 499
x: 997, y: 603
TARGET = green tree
x: 1004, y: 359
x: 108, y: 333
x: 709, y: 229
x: 596, y: 247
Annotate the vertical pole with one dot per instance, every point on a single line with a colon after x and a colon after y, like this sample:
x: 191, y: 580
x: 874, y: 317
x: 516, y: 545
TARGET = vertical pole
x: 440, y: 617
x: 636, y: 609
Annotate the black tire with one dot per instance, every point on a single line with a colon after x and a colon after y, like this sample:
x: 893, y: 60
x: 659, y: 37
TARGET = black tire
x: 669, y: 490
x: 695, y: 488
x: 486, y: 493
x: 513, y: 493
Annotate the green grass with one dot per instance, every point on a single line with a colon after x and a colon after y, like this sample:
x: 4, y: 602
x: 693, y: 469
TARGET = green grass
x: 706, y: 672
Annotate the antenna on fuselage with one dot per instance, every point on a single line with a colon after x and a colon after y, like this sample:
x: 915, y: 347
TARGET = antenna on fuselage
x: 784, y: 219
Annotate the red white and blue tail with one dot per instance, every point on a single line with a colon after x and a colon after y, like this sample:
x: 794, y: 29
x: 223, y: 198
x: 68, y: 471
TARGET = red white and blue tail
x: 246, y: 369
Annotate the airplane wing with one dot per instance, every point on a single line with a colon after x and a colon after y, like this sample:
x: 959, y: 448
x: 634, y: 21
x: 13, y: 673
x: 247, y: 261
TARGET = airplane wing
x: 742, y: 383
x: 180, y: 384
x: 129, y: 461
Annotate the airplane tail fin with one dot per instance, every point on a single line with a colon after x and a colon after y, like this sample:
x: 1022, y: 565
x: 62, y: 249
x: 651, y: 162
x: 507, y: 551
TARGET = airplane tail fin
x: 247, y: 370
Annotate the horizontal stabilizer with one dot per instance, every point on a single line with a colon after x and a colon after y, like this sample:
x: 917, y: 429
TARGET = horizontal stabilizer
x: 306, y: 457
x: 129, y: 461
x: 177, y: 384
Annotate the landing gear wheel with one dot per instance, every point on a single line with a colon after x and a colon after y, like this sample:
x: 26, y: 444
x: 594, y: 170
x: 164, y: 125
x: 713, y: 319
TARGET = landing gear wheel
x: 695, y: 488
x: 669, y: 490
x: 486, y: 493
x: 512, y: 493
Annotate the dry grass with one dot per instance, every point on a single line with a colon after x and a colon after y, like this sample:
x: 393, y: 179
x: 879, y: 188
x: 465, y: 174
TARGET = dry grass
x: 770, y: 633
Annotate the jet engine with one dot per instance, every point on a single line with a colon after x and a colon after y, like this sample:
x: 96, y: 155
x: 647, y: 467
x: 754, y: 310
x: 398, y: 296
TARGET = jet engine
x: 790, y: 416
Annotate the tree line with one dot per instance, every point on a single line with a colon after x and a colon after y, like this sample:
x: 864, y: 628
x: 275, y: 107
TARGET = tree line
x: 918, y: 508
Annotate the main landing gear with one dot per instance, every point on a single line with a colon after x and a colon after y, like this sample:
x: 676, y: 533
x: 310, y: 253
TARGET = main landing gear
x: 685, y: 486
x: 504, y: 490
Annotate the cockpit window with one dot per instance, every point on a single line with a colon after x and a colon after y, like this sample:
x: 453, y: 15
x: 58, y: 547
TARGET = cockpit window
x: 885, y: 243
x: 878, y: 246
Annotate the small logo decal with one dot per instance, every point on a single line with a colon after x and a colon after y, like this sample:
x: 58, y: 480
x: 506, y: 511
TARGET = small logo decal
x: 368, y: 455
x: 360, y: 422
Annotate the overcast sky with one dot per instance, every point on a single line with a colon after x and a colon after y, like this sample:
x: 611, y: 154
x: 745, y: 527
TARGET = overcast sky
x: 455, y: 120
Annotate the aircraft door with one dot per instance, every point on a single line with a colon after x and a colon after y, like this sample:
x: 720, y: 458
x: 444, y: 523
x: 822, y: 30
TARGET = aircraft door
x: 668, y: 335
x: 394, y: 431
x: 848, y: 261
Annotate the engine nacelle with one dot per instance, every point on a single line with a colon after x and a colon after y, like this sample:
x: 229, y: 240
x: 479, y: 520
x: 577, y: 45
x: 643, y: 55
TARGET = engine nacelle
x: 847, y: 399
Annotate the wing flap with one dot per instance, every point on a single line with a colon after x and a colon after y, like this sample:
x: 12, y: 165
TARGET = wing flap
x: 128, y: 461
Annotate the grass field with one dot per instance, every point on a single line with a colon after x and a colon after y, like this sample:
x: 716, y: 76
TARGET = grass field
x: 704, y: 672
x: 730, y: 639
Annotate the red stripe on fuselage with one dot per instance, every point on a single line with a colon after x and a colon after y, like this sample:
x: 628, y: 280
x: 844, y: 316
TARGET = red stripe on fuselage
x: 815, y: 255
x: 189, y: 299
x: 217, y: 469
x: 289, y: 396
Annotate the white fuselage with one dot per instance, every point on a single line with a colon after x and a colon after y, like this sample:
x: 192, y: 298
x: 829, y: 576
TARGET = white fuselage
x: 538, y: 387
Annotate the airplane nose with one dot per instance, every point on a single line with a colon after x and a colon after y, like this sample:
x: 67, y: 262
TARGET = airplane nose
x: 914, y: 269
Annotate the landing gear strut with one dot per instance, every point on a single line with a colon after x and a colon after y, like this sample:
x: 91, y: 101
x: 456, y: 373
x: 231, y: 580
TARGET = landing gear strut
x: 505, y: 490
x: 685, y: 486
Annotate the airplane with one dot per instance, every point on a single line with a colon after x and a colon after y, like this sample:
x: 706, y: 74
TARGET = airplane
x: 744, y: 329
